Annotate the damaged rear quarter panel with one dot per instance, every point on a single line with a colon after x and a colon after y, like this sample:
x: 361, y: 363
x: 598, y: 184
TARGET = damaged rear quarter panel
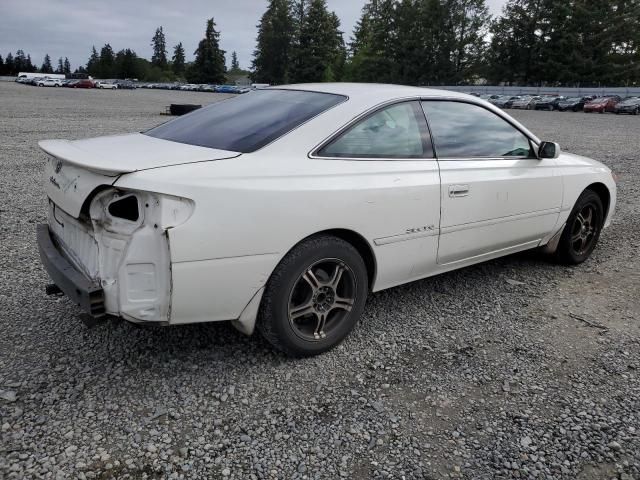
x: 133, y: 256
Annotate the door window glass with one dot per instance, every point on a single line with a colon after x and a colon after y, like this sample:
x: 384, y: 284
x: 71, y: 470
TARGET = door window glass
x: 463, y: 130
x: 398, y: 131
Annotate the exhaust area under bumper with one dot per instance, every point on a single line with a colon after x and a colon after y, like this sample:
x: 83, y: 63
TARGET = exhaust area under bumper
x: 74, y: 284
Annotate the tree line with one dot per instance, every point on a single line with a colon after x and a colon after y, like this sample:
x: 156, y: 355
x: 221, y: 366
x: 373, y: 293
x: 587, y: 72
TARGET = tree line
x: 453, y: 42
x: 21, y: 62
x: 209, y: 65
x: 416, y: 42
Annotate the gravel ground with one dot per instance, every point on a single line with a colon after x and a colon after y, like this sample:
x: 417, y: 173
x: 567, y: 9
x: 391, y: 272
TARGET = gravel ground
x: 517, y: 368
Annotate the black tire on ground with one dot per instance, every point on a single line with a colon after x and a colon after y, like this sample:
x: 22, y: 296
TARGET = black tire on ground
x: 551, y: 108
x: 582, y: 231
x: 181, y: 109
x: 289, y: 292
x: 636, y: 111
x: 575, y: 109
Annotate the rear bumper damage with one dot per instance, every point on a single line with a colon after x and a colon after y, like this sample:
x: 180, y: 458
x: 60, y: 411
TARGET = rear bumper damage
x: 74, y: 284
x: 114, y: 259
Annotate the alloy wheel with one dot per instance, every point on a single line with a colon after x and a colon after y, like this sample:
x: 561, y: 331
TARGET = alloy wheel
x: 584, y: 230
x: 321, y: 299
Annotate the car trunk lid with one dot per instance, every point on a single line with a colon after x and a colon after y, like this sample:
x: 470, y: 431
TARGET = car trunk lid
x: 119, y: 154
x: 76, y: 168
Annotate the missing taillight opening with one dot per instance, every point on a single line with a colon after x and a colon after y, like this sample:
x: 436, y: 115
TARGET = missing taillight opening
x: 125, y: 208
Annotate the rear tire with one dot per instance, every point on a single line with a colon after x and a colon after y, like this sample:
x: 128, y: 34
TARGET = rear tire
x: 314, y: 297
x: 582, y: 230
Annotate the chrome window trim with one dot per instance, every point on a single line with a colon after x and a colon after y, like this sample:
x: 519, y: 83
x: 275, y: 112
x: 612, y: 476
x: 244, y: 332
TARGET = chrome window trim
x: 313, y: 154
x: 500, y: 114
x: 483, y: 159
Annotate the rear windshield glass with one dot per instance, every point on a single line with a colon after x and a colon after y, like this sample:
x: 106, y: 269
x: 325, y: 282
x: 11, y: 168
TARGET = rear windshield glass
x: 247, y: 122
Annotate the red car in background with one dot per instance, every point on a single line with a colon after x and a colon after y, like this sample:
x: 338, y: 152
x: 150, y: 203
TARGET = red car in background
x: 602, y: 104
x: 86, y: 83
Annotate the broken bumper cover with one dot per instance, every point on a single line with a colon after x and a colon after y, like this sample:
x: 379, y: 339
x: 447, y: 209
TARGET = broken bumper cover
x: 75, y: 285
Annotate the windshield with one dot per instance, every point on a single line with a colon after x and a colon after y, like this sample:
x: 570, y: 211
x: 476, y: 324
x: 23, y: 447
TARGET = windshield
x: 247, y: 122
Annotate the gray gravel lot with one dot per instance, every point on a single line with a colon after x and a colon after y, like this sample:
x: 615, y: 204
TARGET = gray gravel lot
x: 517, y: 368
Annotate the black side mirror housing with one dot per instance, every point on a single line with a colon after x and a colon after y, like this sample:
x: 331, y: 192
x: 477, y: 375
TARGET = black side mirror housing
x: 549, y: 150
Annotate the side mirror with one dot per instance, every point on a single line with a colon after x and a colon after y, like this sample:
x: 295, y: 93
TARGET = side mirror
x: 549, y: 150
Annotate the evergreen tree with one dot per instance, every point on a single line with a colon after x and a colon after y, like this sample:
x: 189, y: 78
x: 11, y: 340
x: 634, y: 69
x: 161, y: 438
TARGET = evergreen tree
x: 107, y: 62
x: 60, y: 68
x: 93, y: 63
x: 515, y: 43
x: 2, y: 67
x: 235, y: 65
x: 412, y: 46
x: 20, y: 61
x: 338, y: 59
x: 209, y: 64
x: 178, y: 60
x: 319, y: 45
x: 9, y: 65
x: 126, y: 64
x: 159, y: 57
x: 67, y: 66
x: 469, y: 22
x: 597, y: 23
x: 298, y: 17
x: 272, y: 54
x: 373, y: 42
x: 29, y: 66
x: 46, y: 65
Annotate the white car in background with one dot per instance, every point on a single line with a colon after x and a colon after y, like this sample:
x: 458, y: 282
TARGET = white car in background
x: 106, y: 85
x: 284, y: 207
x: 49, y: 82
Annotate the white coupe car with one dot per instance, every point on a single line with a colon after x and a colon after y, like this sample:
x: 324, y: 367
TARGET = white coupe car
x: 283, y: 208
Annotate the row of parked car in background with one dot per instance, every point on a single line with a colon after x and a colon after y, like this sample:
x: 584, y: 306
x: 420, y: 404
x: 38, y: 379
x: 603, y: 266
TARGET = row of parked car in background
x: 193, y: 87
x: 57, y: 81
x: 47, y: 81
x: 587, y: 104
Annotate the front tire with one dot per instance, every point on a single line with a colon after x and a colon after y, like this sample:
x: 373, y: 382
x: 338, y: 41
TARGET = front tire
x: 582, y: 231
x: 314, y: 297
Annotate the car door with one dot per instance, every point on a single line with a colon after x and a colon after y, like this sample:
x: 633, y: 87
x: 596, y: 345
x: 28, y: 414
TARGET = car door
x: 496, y: 195
x: 396, y: 205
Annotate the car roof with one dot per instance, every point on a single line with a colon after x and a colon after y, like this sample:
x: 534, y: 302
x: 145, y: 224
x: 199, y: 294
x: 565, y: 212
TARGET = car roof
x: 380, y: 91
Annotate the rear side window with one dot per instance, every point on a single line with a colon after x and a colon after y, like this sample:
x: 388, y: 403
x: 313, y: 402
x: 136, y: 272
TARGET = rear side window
x: 398, y: 131
x: 463, y: 130
x: 247, y: 122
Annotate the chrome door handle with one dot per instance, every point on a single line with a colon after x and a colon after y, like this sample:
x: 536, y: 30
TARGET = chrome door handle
x: 458, y: 191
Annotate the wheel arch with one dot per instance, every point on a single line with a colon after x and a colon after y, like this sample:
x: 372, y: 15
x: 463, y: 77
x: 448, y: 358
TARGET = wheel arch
x: 247, y: 320
x: 360, y: 244
x: 605, y: 195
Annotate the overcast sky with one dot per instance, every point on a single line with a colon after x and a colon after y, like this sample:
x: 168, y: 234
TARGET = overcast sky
x: 70, y: 27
